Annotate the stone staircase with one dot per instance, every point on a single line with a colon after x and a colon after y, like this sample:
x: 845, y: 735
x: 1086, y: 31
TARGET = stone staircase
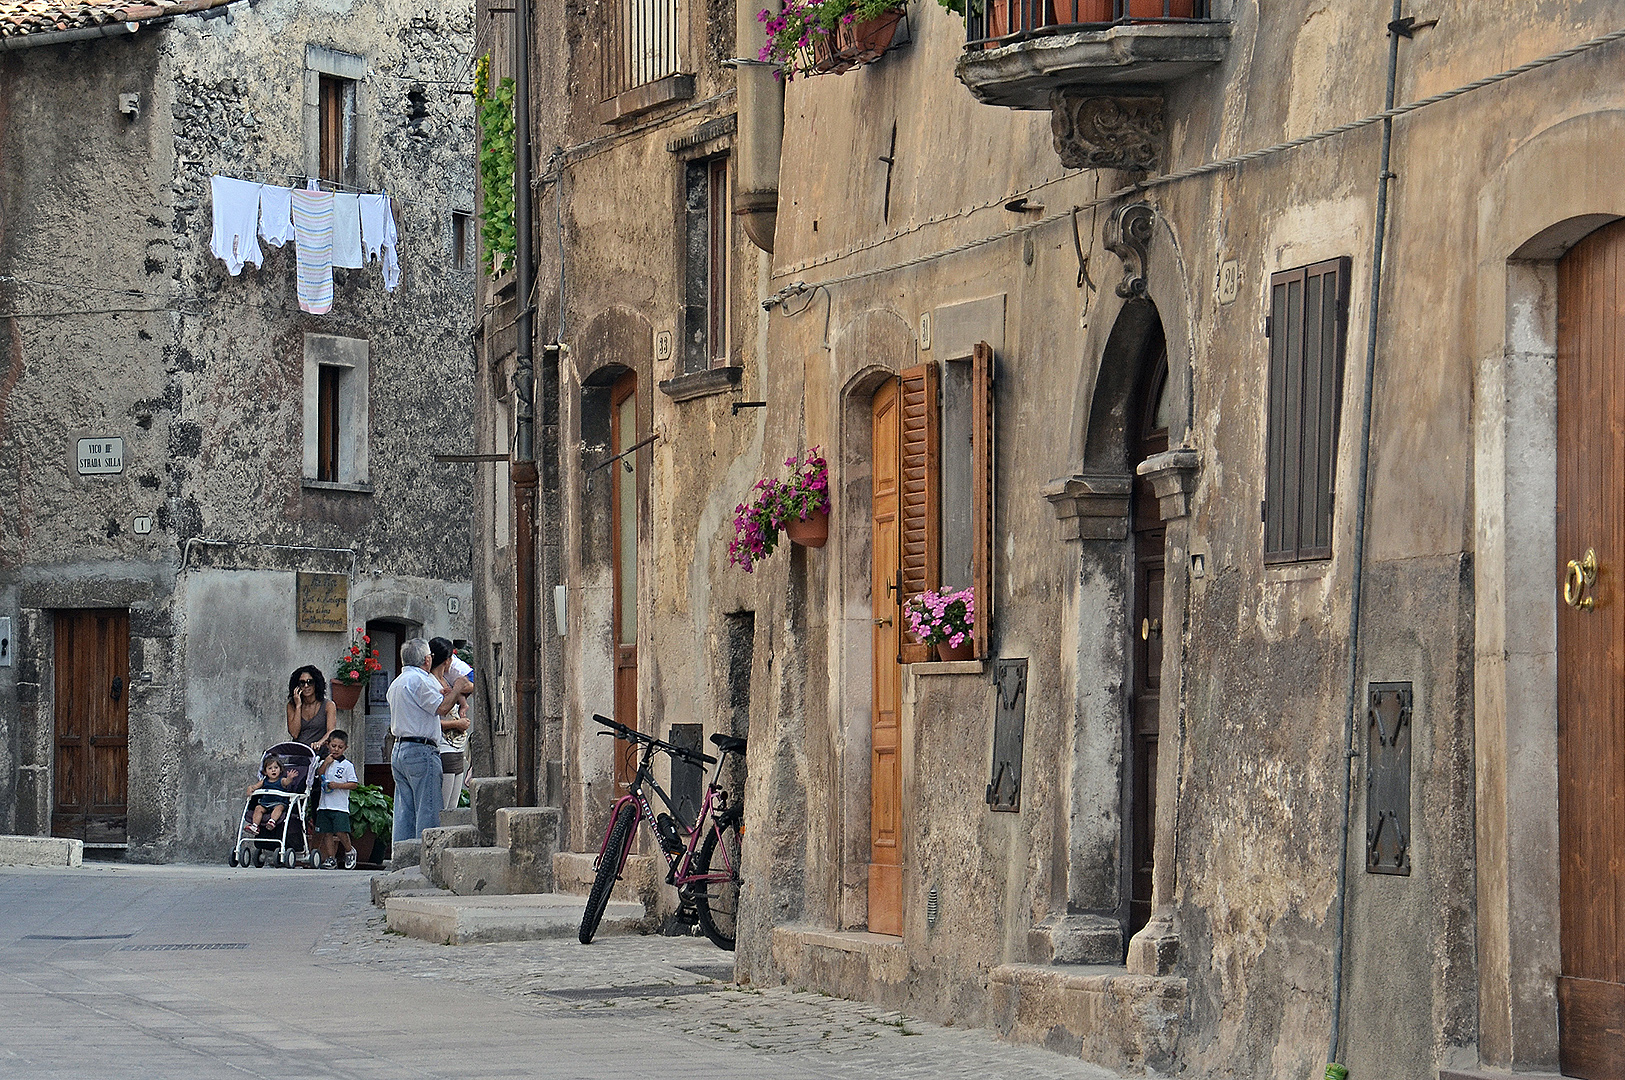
x: 493, y: 872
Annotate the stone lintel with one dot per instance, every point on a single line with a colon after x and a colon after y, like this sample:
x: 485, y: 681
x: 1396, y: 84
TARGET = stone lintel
x: 1091, y: 507
x: 1173, y: 477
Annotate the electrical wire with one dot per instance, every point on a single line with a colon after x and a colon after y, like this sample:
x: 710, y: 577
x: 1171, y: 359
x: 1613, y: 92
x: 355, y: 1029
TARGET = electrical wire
x: 1184, y: 174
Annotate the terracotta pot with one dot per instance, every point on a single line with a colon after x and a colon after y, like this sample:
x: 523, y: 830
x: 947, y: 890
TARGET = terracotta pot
x: 965, y: 650
x: 809, y: 532
x: 865, y: 42
x: 345, y: 694
x: 823, y: 56
x: 1072, y: 12
x: 1152, y: 9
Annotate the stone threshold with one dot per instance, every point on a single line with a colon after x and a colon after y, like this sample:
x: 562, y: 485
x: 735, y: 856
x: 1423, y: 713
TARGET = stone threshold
x: 1493, y: 1074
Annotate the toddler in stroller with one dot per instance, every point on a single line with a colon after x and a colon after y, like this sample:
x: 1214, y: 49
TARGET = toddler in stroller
x: 273, y: 819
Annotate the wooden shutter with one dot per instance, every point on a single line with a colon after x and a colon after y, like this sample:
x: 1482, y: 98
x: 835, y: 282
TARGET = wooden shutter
x: 982, y: 489
x: 918, y: 512
x: 1308, y: 334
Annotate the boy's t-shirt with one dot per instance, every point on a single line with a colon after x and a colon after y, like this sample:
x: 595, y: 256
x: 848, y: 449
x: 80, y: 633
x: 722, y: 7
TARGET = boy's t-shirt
x: 340, y: 772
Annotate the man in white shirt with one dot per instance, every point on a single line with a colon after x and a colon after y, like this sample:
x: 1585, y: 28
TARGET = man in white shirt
x: 416, y: 704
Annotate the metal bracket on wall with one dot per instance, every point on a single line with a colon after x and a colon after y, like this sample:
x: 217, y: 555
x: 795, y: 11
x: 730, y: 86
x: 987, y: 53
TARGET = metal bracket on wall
x: 1388, y: 779
x: 1009, y: 732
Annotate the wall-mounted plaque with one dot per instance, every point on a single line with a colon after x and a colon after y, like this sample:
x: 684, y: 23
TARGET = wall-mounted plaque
x: 101, y: 456
x: 324, y: 602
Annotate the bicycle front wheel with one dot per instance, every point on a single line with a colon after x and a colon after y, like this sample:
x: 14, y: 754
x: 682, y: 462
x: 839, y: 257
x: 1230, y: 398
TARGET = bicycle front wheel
x: 717, y: 902
x: 609, y: 868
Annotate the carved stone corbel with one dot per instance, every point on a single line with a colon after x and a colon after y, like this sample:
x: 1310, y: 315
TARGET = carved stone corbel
x: 1127, y: 235
x: 1094, y: 132
x: 1173, y: 477
x: 1091, y: 507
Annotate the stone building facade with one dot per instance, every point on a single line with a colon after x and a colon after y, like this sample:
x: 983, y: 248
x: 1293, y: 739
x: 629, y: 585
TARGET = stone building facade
x: 1258, y: 760
x: 159, y: 603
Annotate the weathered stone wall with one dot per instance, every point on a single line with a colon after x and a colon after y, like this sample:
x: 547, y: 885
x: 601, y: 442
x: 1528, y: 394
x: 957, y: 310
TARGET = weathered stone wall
x: 203, y: 375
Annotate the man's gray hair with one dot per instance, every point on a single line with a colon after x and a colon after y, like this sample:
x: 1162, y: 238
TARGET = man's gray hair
x: 414, y: 652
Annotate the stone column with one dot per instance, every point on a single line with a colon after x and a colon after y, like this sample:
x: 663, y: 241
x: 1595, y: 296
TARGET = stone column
x: 1172, y: 474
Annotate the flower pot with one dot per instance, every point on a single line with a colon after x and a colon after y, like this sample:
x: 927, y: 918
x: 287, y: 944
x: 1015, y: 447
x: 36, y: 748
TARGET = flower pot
x: 1072, y: 12
x: 1152, y: 9
x: 810, y: 531
x: 965, y: 650
x: 865, y: 42
x: 823, y: 56
x: 345, y: 694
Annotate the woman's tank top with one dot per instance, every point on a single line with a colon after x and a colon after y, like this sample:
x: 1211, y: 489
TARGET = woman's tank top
x: 312, y: 730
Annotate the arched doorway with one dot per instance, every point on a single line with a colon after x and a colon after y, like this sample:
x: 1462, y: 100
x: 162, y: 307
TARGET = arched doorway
x: 1591, y: 654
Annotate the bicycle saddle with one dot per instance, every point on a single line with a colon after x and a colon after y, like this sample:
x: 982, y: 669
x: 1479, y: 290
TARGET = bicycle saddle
x: 728, y: 744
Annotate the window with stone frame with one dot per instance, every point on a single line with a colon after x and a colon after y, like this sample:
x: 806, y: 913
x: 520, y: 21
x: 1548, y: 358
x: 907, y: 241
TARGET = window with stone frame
x: 705, y: 263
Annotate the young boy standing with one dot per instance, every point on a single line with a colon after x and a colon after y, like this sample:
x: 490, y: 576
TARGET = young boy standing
x: 333, y: 812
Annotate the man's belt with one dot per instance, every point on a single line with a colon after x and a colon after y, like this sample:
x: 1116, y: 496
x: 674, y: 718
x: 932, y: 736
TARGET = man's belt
x: 417, y: 739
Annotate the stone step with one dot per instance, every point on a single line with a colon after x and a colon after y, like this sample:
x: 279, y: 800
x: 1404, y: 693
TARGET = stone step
x: 573, y: 873
x: 41, y: 851
x: 463, y: 815
x: 474, y: 871
x: 470, y: 920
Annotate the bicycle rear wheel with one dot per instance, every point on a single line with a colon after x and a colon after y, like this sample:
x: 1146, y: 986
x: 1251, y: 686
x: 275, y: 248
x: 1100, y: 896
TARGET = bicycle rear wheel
x: 717, y: 902
x: 609, y: 868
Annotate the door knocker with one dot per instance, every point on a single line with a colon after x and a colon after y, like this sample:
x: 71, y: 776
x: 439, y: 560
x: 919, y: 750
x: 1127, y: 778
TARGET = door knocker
x: 1578, y: 581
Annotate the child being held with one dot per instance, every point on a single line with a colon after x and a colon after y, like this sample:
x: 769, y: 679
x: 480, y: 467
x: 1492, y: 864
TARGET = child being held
x: 333, y: 812
x: 274, y: 777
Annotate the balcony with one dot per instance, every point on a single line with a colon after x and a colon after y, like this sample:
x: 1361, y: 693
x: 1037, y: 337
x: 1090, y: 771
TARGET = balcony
x: 1021, y: 53
x: 639, y: 53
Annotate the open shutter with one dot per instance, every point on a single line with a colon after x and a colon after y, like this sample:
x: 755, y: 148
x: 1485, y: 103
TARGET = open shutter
x: 982, y: 489
x: 918, y: 512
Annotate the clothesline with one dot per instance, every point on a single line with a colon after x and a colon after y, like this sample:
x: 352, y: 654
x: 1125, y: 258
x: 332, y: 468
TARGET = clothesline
x: 329, y: 230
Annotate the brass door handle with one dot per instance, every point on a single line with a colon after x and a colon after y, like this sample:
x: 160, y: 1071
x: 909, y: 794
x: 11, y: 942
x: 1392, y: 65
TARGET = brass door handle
x: 1578, y: 578
x: 882, y: 622
x: 1149, y: 627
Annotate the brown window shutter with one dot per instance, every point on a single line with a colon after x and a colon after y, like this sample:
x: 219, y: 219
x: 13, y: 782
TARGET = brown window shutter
x: 919, y: 516
x: 982, y: 488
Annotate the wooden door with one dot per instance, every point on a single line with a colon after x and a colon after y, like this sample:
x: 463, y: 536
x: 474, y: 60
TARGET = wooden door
x: 623, y: 435
x: 886, y: 771
x: 1145, y: 628
x: 91, y: 779
x: 1591, y: 654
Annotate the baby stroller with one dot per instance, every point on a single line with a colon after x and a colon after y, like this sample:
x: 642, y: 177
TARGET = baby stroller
x: 285, y: 844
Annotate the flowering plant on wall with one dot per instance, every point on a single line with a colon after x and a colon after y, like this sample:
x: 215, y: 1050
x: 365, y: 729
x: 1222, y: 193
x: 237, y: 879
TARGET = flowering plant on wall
x: 802, y: 28
x: 942, y: 618
x: 777, y: 503
x: 358, y: 661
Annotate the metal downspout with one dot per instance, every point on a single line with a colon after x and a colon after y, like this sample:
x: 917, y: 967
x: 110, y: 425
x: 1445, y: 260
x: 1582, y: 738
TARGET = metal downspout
x: 1362, y: 481
x: 524, y: 469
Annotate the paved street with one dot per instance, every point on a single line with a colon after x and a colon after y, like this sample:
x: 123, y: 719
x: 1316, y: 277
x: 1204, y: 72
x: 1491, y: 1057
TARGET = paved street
x: 201, y: 972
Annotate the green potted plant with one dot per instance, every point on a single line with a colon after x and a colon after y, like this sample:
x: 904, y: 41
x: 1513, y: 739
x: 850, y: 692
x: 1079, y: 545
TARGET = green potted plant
x: 797, y: 507
x: 812, y: 37
x: 372, y: 817
x: 356, y: 665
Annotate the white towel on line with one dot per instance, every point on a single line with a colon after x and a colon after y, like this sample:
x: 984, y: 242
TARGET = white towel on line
x: 347, y: 231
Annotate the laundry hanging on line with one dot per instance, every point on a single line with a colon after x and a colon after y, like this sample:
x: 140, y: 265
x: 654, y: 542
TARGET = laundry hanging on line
x: 355, y: 230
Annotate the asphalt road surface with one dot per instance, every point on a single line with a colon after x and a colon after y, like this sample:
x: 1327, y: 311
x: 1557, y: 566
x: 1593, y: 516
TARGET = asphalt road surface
x: 147, y: 972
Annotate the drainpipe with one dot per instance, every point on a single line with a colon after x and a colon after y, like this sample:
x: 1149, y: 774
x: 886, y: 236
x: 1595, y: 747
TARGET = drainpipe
x: 524, y: 467
x: 761, y: 130
x: 1362, y: 481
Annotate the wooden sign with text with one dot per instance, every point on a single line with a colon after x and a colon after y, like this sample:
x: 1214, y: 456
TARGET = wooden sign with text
x: 324, y: 602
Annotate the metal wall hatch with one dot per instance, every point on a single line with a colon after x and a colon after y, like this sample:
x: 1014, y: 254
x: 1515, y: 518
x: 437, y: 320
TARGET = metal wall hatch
x: 1388, y: 779
x: 1009, y: 731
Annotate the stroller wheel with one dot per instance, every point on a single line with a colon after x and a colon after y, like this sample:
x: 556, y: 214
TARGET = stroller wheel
x: 231, y: 860
x: 313, y: 858
x: 289, y: 858
x: 259, y: 857
x: 245, y: 852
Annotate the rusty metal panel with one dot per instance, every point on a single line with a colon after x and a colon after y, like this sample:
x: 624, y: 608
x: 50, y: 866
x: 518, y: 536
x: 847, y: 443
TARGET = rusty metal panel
x: 1388, y: 779
x: 1009, y: 730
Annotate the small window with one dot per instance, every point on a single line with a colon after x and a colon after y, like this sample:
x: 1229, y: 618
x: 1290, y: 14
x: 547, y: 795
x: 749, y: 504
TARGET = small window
x: 639, y: 44
x: 337, y: 142
x: 706, y: 264
x: 327, y: 422
x: 335, y: 409
x: 1308, y: 331
x: 462, y: 240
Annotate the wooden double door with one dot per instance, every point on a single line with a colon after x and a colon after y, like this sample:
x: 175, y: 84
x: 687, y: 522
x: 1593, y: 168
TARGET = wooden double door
x: 1589, y: 577
x: 90, y: 780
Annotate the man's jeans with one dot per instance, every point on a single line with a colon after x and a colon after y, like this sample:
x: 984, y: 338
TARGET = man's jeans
x: 417, y: 789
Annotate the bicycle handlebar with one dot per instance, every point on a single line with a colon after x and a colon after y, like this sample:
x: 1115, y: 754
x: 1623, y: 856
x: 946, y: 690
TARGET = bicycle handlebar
x: 621, y: 731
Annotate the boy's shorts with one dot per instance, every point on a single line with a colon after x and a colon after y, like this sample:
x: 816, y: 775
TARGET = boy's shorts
x: 332, y: 821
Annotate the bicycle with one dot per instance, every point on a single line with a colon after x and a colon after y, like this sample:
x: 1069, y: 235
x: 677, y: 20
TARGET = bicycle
x: 710, y: 894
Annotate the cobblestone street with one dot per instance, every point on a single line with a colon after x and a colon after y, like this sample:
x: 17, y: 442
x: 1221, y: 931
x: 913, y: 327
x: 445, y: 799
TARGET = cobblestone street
x: 114, y: 971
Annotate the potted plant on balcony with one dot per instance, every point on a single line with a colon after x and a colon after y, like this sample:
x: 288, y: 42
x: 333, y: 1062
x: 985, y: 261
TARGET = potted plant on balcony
x: 813, y: 37
x: 944, y: 620
x: 356, y: 665
x: 797, y: 507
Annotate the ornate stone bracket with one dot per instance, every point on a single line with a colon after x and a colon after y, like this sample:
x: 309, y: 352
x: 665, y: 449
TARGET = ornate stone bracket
x: 1095, y: 132
x: 1091, y: 507
x: 1173, y: 477
x: 1127, y: 235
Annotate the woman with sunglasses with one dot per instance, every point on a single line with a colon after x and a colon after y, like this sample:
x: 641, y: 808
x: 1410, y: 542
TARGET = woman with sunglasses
x: 310, y: 715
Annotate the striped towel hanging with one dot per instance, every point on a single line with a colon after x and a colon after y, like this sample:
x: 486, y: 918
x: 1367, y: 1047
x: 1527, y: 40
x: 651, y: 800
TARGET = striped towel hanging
x: 313, y: 249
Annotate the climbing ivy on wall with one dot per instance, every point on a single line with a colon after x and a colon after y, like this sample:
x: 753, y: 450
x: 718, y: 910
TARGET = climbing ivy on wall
x: 497, y: 142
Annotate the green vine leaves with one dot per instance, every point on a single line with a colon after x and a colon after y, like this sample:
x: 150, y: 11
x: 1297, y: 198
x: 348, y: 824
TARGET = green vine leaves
x: 497, y: 148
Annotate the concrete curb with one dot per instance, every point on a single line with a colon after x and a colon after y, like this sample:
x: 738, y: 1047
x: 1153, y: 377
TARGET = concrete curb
x: 41, y: 851
x: 469, y: 920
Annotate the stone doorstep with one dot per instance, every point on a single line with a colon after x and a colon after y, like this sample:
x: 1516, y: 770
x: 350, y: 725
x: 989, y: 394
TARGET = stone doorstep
x: 880, y: 958
x: 1493, y: 1074
x: 573, y: 873
x: 474, y: 871
x: 1099, y: 1013
x: 470, y: 920
x: 41, y: 851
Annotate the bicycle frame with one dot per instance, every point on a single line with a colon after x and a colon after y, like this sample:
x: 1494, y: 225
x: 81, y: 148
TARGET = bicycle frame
x: 712, y: 808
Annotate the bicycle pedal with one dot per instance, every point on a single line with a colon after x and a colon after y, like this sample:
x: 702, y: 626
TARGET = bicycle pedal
x: 687, y: 915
